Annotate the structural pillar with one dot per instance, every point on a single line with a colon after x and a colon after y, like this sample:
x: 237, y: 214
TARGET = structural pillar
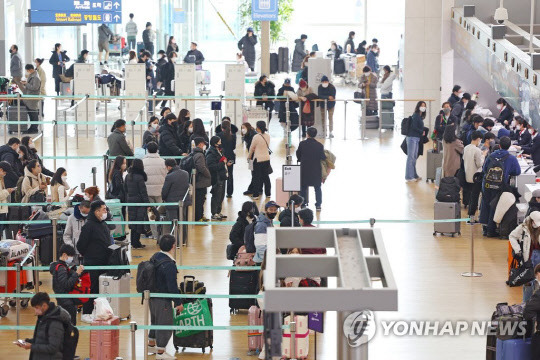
x: 3, y: 46
x: 265, y: 47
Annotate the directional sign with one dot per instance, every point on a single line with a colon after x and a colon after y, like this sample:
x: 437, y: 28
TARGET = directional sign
x: 76, y: 18
x: 76, y: 5
x: 264, y: 10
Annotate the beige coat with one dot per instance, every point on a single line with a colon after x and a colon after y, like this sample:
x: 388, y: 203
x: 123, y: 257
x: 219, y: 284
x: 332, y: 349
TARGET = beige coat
x: 59, y: 193
x: 4, y: 197
x: 452, y: 157
x: 43, y: 78
x: 259, y: 147
x: 30, y: 184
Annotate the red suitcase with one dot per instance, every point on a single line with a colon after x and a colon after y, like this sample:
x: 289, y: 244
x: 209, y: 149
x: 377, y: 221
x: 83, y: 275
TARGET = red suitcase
x: 105, y: 344
x: 255, y: 340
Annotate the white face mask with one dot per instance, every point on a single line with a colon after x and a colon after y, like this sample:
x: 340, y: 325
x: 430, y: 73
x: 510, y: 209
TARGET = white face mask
x: 32, y: 146
x: 69, y: 260
x: 422, y: 109
x: 190, y: 130
x: 64, y: 179
x: 244, y: 131
x: 204, y: 148
x: 154, y: 125
x: 84, y: 215
x: 86, y: 197
x: 104, y: 216
x: 324, y: 85
x: 499, y: 106
x: 531, y: 131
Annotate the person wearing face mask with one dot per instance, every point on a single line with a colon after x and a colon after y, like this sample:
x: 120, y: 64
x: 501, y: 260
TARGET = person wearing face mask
x: 117, y: 141
x: 136, y: 192
x: 533, y: 150
x: 41, y: 73
x: 10, y: 152
x: 197, y: 130
x: 93, y: 245
x: 386, y: 82
x: 58, y: 61
x: 169, y: 142
x: 166, y: 76
x: 372, y: 59
x: 185, y: 134
x: 307, y: 107
x: 32, y: 86
x: 264, y: 92
x: 525, y: 242
x: 59, y: 186
x: 28, y: 143
x: 183, y: 116
x: 444, y: 119
x: 204, y: 178
x: 459, y: 108
x: 368, y: 85
x: 285, y: 217
x: 219, y: 129
x: 228, y: 142
x: 506, y: 113
x: 156, y: 170
x: 455, y: 96
x: 521, y: 135
x: 74, y: 225
x: 416, y: 129
x: 327, y: 91
x: 34, y: 181
x: 247, y: 45
x: 264, y: 221
x: 16, y: 65
x: 217, y: 164
x: 5, y: 194
x: 152, y: 133
x: 162, y: 60
x: 116, y: 189
x: 64, y: 279
x: 246, y: 216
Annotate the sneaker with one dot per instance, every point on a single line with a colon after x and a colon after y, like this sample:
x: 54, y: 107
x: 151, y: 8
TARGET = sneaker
x: 248, y: 193
x: 331, y: 136
x: 165, y: 356
x: 229, y: 196
x: 418, y: 178
x: 216, y: 217
x: 87, y: 318
x: 318, y: 208
x: 255, y: 197
x: 152, y: 349
x: 222, y: 216
x: 100, y: 63
x: 410, y: 180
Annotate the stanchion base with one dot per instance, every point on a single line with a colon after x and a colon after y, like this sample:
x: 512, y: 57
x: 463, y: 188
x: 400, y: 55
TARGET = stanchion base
x: 471, y: 274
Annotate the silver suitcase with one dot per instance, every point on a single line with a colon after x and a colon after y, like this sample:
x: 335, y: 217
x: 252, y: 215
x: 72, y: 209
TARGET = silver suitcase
x: 108, y: 285
x: 434, y: 161
x: 444, y: 211
x: 387, y: 120
x: 372, y: 122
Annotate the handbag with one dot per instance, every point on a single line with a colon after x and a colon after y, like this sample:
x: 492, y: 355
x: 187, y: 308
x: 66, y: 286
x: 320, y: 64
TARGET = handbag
x: 522, y: 272
x: 269, y: 151
x: 37, y: 197
x: 109, y: 194
x: 231, y: 251
x: 307, y: 107
x: 269, y: 169
x: 359, y: 95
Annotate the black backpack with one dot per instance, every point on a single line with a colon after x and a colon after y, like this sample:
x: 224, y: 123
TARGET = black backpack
x: 71, y: 339
x: 494, y: 178
x: 448, y: 189
x: 146, y: 274
x: 118, y: 256
x: 406, y: 125
x: 249, y: 237
x: 188, y: 164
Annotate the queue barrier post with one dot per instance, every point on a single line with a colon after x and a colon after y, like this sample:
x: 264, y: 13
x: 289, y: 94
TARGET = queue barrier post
x: 174, y: 229
x: 181, y: 239
x: 65, y: 134
x: 105, y: 103
x: 194, y: 195
x: 153, y: 105
x: 133, y: 130
x: 146, y: 301
x: 325, y: 118
x: 472, y: 273
x: 380, y: 117
x: 133, y: 329
x: 345, y: 123
x: 55, y: 132
x: 55, y: 238
x: 292, y: 324
x: 105, y: 158
x: 363, y: 121
x: 86, y: 111
x: 18, y: 301
x: 55, y: 111
x: 18, y: 113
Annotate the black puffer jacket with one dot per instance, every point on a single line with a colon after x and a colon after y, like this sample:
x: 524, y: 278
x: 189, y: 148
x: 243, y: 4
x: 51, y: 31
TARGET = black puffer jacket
x: 236, y: 236
x: 9, y: 155
x: 136, y: 193
x: 293, y: 105
x: 47, y: 343
x: 169, y: 143
x: 268, y: 89
x: 117, y: 183
x: 533, y: 206
x: 248, y: 138
x: 64, y: 279
x: 216, y: 167
x: 285, y: 218
x: 94, y: 241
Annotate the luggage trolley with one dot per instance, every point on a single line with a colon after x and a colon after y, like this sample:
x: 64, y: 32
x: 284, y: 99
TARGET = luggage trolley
x: 204, y: 77
x: 13, y: 252
x: 350, y: 68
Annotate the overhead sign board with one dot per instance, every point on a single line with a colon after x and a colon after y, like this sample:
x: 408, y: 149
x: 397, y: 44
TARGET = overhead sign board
x: 264, y: 10
x: 76, y: 5
x: 76, y: 12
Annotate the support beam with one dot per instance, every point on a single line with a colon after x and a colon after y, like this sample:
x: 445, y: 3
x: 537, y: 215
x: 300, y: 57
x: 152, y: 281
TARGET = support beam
x: 3, y: 45
x: 265, y: 47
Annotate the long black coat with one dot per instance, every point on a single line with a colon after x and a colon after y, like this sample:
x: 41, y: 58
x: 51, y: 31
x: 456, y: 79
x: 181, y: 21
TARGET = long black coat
x: 169, y: 143
x: 136, y: 193
x: 229, y: 145
x: 94, y: 241
x: 298, y: 55
x: 310, y: 152
x: 283, y: 108
x: 268, y: 89
x: 247, y: 45
x: 57, y: 69
x: 167, y: 75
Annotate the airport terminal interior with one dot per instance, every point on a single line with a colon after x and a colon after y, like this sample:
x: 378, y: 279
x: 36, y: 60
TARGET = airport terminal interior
x: 417, y: 120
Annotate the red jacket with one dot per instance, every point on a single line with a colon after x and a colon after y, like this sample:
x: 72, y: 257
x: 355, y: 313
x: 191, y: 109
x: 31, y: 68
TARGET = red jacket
x: 313, y: 251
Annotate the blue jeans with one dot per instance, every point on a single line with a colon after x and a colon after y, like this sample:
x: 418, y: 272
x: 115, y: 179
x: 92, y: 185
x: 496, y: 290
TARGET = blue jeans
x: 412, y: 155
x: 318, y: 195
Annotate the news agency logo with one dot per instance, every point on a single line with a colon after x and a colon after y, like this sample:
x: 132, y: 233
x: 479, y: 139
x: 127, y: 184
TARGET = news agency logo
x: 359, y: 327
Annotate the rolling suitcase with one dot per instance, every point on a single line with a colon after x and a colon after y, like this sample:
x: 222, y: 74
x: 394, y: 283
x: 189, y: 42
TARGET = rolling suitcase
x: 13, y: 115
x: 274, y: 63
x: 108, y: 285
x: 515, y: 349
x: 283, y: 54
x: 387, y: 120
x: 339, y: 67
x: 447, y: 210
x: 66, y: 89
x: 491, y: 347
x: 302, y: 338
x: 281, y: 196
x: 372, y: 122
x: 255, y: 340
x: 434, y: 161
x: 105, y: 344
x: 243, y: 283
x: 200, y: 340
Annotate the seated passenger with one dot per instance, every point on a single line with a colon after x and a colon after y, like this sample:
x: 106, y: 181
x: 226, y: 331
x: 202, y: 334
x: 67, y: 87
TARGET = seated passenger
x: 306, y: 219
x: 194, y: 56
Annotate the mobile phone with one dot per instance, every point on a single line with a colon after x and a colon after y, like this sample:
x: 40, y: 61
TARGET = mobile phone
x: 76, y: 186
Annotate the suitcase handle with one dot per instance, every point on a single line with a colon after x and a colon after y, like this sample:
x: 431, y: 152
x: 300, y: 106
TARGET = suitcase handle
x: 189, y: 277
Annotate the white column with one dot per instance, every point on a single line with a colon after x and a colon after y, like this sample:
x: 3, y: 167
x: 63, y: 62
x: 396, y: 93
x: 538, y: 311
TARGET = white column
x: 235, y: 82
x: 135, y: 85
x: 184, y: 85
x: 422, y: 50
x: 317, y: 69
x: 84, y: 82
x: 447, y: 52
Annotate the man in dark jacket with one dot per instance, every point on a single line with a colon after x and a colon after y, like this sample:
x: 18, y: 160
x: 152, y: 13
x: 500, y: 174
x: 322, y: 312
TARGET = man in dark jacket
x: 203, y: 179
x: 117, y: 140
x: 533, y: 150
x: 149, y: 36
x: 169, y: 142
x: 93, y: 245
x: 9, y: 153
x: 459, y: 107
x: 174, y: 189
x: 293, y: 105
x: 310, y: 153
x: 299, y: 53
x: 327, y: 92
x: 48, y: 340
x: 531, y: 312
x: 65, y: 278
x: 264, y: 89
x: 285, y: 217
x: 159, y: 66
x: 247, y: 45
x: 456, y: 95
x: 161, y: 309
x: 167, y: 76
x: 194, y: 56
x: 217, y: 164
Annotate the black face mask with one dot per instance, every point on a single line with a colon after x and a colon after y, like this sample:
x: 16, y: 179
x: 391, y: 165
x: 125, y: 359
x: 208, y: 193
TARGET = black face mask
x: 11, y: 51
x: 187, y: 119
x: 271, y: 216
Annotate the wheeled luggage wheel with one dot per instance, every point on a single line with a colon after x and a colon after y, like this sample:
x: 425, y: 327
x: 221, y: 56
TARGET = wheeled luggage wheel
x: 4, y: 310
x: 12, y: 302
x: 24, y: 303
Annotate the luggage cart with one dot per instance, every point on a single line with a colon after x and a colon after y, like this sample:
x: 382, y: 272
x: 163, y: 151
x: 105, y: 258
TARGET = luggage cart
x: 350, y: 68
x: 204, y: 77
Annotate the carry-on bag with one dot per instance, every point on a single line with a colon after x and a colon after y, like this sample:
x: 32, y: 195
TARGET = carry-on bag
x: 339, y: 66
x: 105, y: 344
x: 434, y: 161
x: 444, y: 211
x: 243, y: 283
x: 283, y: 55
x: 515, y: 349
x: 274, y: 63
x: 13, y: 115
x: 202, y: 309
x: 301, y: 341
x: 110, y: 285
x: 255, y: 338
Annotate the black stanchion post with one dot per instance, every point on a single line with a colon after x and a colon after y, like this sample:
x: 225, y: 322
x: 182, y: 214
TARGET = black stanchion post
x: 105, y: 158
x: 94, y: 175
x: 55, y: 238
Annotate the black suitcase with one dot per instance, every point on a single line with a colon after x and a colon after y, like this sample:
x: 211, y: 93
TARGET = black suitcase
x: 35, y: 231
x: 491, y: 347
x: 339, y: 66
x: 283, y: 55
x: 12, y: 115
x: 16, y: 213
x: 243, y: 283
x: 201, y: 340
x: 274, y: 63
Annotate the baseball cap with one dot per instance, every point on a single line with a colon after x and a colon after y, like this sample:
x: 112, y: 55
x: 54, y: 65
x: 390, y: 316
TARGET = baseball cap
x: 274, y: 204
x: 287, y: 81
x: 535, y: 216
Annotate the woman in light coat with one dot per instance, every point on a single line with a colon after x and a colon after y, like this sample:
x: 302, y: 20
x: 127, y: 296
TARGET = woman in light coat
x: 452, y: 153
x: 41, y: 73
x: 368, y: 84
x: 386, y: 82
x: 259, y: 151
x: 33, y: 182
x: 155, y: 168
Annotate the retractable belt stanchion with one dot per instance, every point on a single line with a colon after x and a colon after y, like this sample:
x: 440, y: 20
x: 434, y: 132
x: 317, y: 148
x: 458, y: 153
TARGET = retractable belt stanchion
x: 325, y: 118
x: 105, y: 157
x: 133, y: 130
x: 174, y: 228
x: 105, y: 103
x: 86, y: 110
x: 55, y: 136
x: 180, y: 243
x: 292, y: 324
x: 65, y: 133
x: 194, y: 195
x: 18, y: 301
x: 345, y: 122
x: 472, y: 273
x: 55, y: 109
x: 133, y: 329
x: 146, y: 301
x: 363, y: 121
x: 380, y: 117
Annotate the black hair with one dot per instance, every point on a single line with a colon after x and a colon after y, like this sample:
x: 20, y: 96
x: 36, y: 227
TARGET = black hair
x: 306, y: 215
x: 5, y: 166
x: 387, y: 68
x: 163, y: 109
x: 166, y: 242
x: 456, y: 88
x: 466, y: 96
x: 170, y: 38
x: 505, y: 142
x: 131, y: 16
x: 449, y: 135
x: 186, y: 126
x: 521, y: 121
x: 351, y: 33
x: 152, y: 147
x: 118, y: 123
x: 152, y: 119
x: 56, y: 46
x: 363, y: 43
x: 311, y: 131
x: 262, y: 77
x: 476, y: 135
x: 137, y: 165
x: 417, y: 109
x: 85, y: 204
x: 249, y: 207
x: 147, y: 53
x: 502, y: 101
x: 226, y: 127
x: 261, y: 125
x: 225, y: 118
x: 172, y: 54
x: 95, y: 205
x: 199, y: 140
x: 170, y: 116
x: 303, y: 36
x: 84, y: 52
x: 29, y: 67
x: 298, y: 200
x: 488, y: 123
x: 489, y: 135
x: 471, y: 104
x: 67, y: 249
x: 214, y: 140
x: 366, y: 69
x: 57, y: 177
x: 39, y: 60
x: 117, y: 165
x: 170, y: 162
x: 13, y: 140
x: 182, y: 116
x: 477, y: 119
x: 32, y: 164
x: 39, y: 299
x: 15, y: 47
x: 198, y: 128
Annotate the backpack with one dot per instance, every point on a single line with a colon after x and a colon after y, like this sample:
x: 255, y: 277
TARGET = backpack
x: 82, y: 286
x: 406, y: 125
x: 249, y: 237
x: 243, y: 258
x: 188, y: 164
x: 146, y: 274
x: 448, y: 189
x: 71, y: 339
x: 308, y: 282
x: 494, y: 178
x: 18, y: 192
x: 118, y: 256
